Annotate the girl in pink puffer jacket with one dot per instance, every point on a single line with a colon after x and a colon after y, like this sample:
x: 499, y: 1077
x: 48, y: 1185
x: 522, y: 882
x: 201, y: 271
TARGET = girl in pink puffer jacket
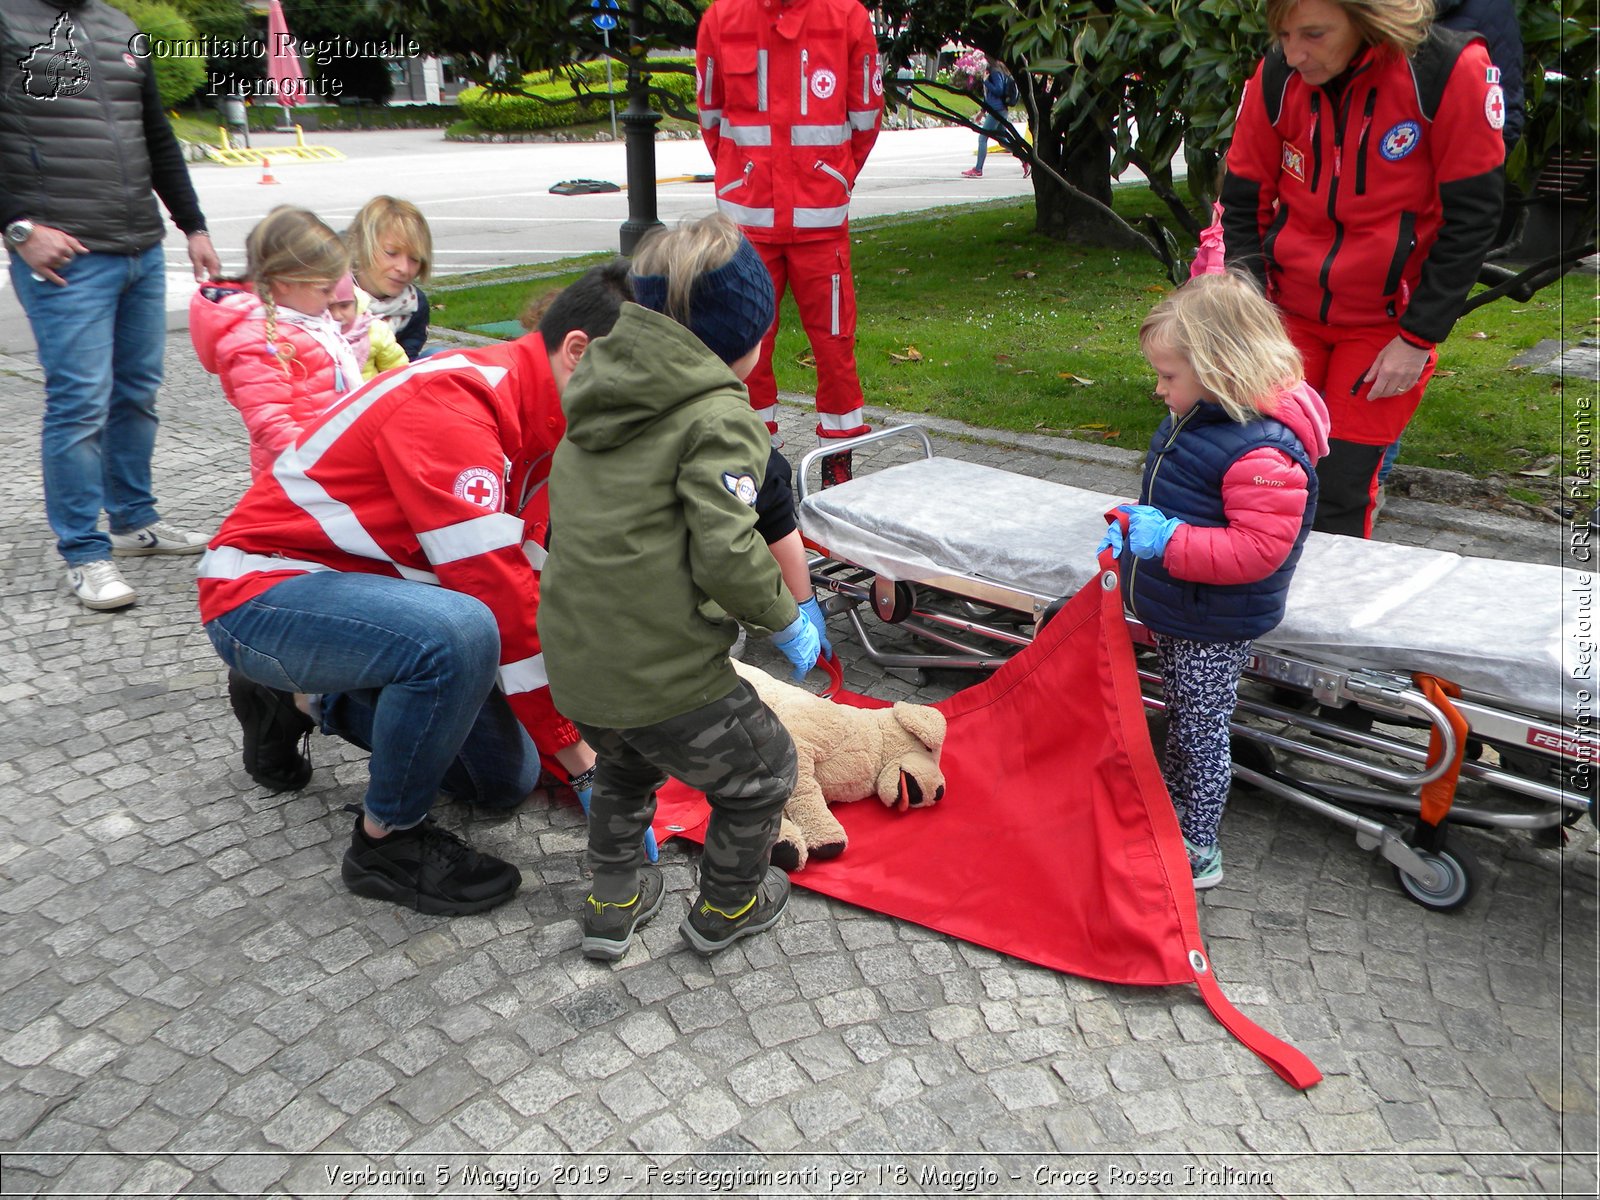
x: 282, y: 359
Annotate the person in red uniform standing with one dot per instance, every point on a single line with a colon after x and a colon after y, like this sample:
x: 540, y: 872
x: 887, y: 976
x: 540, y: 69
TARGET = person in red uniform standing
x: 791, y: 97
x: 1363, y: 190
x: 387, y: 567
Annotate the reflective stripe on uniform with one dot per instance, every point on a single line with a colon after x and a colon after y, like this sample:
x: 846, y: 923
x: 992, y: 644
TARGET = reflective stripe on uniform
x: 470, y: 538
x: 816, y: 218
x: 740, y: 214
x: 709, y: 117
x: 862, y: 121
x: 747, y: 135
x: 839, y: 422
x: 524, y: 675
x: 761, y: 80
x: 536, y: 555
x: 229, y: 562
x: 337, y: 519
x: 819, y: 135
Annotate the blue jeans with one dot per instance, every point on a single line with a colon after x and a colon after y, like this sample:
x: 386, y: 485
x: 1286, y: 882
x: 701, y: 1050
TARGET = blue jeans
x: 406, y: 670
x: 989, y: 124
x: 100, y: 340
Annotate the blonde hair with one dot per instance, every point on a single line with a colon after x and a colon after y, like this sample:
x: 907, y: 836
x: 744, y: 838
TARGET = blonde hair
x: 1232, y: 339
x: 1398, y: 25
x: 291, y: 245
x: 385, y: 217
x: 684, y: 254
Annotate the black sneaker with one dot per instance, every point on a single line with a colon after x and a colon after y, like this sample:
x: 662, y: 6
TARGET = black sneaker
x: 708, y: 929
x: 427, y: 868
x: 273, y: 732
x: 608, y: 928
x: 837, y: 468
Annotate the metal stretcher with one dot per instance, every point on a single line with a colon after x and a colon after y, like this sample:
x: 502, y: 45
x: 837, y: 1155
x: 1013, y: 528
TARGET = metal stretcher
x: 1402, y: 682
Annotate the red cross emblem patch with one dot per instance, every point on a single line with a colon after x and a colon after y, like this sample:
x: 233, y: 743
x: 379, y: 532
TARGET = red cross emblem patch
x: 480, y: 486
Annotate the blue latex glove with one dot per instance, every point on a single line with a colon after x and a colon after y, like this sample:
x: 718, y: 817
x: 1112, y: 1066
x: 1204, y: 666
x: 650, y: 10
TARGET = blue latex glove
x: 799, y: 644
x: 1149, y: 530
x: 651, y: 850
x: 1113, y: 537
x: 811, y: 610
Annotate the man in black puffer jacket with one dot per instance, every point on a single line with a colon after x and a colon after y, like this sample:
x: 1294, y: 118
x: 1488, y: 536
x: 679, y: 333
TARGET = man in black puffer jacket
x: 85, y: 148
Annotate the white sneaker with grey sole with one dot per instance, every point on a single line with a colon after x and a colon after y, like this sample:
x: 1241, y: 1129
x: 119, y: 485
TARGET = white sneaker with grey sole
x: 100, y: 586
x: 159, y: 538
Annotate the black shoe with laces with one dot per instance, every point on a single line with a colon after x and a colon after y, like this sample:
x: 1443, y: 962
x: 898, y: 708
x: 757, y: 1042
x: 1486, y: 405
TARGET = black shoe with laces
x: 428, y: 868
x: 708, y: 928
x: 274, y: 730
x: 838, y: 468
x: 608, y: 927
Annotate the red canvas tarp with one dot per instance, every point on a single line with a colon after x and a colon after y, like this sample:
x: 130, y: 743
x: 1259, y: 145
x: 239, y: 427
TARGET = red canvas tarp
x: 1055, y: 842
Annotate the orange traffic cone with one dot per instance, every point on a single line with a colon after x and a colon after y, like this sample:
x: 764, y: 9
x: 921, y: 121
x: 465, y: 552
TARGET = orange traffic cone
x: 266, y: 172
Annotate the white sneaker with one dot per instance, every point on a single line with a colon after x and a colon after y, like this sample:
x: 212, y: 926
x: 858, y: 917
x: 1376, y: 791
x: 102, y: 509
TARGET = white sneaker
x: 159, y: 538
x: 99, y: 585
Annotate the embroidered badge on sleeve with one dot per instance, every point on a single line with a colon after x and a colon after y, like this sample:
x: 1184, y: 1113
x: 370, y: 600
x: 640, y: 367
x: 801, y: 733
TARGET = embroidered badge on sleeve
x: 480, y: 486
x: 742, y: 486
x: 1494, y: 107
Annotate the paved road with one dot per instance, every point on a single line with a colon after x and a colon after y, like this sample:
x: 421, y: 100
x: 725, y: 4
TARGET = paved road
x: 190, y: 1002
x: 490, y: 205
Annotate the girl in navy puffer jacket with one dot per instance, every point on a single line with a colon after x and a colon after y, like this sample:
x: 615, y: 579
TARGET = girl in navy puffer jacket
x: 1228, y: 496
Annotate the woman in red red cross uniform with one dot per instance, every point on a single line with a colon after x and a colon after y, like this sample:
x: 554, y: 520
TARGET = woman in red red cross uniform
x: 1363, y: 190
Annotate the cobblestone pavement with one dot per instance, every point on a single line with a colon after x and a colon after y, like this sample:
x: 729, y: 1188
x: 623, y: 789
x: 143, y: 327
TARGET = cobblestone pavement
x: 190, y: 1002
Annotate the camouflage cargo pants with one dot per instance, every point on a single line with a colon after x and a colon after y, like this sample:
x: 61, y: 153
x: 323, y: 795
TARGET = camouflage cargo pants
x: 734, y: 751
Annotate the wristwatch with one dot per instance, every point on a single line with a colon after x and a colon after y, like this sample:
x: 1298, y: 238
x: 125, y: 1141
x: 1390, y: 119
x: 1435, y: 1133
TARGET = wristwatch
x: 19, y: 231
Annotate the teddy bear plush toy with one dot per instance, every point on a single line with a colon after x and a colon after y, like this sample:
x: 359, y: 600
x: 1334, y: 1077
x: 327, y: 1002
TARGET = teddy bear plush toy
x: 847, y: 754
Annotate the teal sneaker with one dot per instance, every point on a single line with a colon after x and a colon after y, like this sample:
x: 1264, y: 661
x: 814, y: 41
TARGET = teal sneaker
x: 1205, y: 864
x: 608, y: 927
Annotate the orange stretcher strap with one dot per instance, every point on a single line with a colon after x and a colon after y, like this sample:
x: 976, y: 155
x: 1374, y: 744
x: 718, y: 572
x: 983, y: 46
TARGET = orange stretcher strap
x: 1441, y: 793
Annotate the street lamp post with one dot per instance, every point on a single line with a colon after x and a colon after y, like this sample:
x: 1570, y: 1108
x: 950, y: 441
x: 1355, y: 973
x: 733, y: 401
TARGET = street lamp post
x: 639, y: 138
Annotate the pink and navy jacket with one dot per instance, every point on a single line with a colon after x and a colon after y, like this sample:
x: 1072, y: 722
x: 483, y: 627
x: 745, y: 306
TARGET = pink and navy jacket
x: 1246, y: 494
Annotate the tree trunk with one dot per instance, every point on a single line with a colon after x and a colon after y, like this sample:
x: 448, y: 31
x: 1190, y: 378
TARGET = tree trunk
x: 1084, y: 161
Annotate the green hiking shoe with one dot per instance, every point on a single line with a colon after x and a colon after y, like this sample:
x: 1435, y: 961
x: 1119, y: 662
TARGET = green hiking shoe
x: 708, y: 928
x: 608, y: 927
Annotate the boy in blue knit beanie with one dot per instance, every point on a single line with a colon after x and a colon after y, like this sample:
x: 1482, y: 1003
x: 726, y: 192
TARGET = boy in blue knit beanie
x: 654, y: 562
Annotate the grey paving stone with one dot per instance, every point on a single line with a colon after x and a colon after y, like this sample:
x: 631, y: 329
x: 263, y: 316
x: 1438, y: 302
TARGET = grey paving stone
x: 183, y: 977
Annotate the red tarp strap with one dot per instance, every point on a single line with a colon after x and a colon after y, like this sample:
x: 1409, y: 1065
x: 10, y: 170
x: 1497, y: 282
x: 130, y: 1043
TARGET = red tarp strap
x: 1290, y: 1064
x: 1438, y: 796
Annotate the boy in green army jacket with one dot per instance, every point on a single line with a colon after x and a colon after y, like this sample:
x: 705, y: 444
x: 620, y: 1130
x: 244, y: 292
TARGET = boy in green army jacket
x: 652, y: 495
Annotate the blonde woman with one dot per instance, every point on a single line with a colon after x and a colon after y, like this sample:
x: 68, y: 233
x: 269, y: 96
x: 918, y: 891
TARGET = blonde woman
x: 391, y: 252
x: 281, y: 358
x: 1363, y: 190
x: 652, y: 500
x: 1228, y: 497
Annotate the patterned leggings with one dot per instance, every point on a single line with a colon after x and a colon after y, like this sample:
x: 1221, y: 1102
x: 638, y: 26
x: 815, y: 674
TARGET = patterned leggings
x: 1202, y: 685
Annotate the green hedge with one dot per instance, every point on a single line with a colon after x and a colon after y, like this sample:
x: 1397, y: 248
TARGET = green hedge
x: 557, y: 105
x: 265, y: 115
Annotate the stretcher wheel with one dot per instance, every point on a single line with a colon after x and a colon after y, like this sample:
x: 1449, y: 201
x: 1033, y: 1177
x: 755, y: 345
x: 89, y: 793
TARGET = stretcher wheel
x: 1251, y: 754
x: 1450, y: 885
x: 893, y: 600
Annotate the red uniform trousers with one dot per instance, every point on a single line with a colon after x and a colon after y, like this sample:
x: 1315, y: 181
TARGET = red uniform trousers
x: 1335, y: 358
x: 818, y: 273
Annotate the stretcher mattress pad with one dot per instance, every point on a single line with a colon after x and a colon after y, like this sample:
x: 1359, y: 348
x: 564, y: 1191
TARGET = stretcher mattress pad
x: 1513, y: 633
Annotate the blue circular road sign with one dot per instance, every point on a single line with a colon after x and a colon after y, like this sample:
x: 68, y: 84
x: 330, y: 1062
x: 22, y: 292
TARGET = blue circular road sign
x: 604, y: 20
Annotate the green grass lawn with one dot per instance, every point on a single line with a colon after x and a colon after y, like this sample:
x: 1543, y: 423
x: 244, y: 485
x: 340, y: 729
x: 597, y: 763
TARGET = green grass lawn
x: 968, y: 314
